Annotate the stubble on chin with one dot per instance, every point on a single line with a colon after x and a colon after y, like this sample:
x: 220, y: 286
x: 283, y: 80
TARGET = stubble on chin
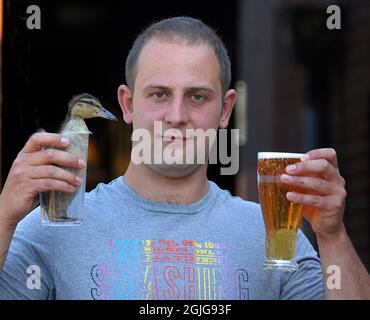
x: 174, y: 170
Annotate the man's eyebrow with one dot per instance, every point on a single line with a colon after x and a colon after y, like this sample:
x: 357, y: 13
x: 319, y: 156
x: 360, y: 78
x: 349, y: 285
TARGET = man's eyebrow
x: 194, y: 88
x: 155, y: 86
x: 200, y: 88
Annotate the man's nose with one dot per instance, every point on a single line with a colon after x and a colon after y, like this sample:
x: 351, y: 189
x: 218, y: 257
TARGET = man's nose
x: 177, y: 113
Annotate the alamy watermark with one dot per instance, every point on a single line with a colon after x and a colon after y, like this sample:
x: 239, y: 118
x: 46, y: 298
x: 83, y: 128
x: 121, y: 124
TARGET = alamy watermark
x: 334, y: 20
x: 333, y: 280
x: 34, y: 18
x: 34, y: 280
x: 192, y: 146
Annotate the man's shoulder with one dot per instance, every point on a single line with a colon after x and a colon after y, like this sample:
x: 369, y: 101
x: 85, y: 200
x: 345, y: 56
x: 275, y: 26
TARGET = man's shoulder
x: 234, y: 199
x: 235, y: 203
x: 103, y: 189
x: 105, y: 197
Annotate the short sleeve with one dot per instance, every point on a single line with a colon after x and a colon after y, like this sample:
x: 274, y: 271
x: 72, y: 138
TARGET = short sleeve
x: 27, y: 269
x: 307, y: 282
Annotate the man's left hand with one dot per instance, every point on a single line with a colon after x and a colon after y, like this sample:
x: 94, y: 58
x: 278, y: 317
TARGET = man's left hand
x: 325, y: 198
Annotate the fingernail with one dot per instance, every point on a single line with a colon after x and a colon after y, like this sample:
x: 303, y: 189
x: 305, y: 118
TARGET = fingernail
x: 305, y: 157
x: 64, y: 141
x: 286, y: 178
x: 291, y: 195
x: 79, y: 180
x: 82, y: 163
x: 291, y: 168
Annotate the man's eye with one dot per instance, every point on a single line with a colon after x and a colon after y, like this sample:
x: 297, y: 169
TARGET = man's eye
x: 198, y: 97
x: 159, y: 95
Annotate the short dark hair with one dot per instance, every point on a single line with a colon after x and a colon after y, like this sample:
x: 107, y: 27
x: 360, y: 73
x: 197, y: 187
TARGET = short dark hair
x: 193, y: 31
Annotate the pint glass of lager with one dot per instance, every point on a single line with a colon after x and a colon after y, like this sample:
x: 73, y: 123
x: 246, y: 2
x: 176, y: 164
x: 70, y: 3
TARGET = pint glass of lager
x: 282, y: 218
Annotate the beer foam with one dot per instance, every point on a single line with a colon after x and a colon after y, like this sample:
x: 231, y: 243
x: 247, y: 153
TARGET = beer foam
x: 278, y: 155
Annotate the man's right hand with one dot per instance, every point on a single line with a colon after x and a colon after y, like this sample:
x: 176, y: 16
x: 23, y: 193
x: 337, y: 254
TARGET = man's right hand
x: 35, y: 170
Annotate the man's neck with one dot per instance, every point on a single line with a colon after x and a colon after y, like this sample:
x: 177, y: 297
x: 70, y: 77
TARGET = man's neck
x: 156, y: 187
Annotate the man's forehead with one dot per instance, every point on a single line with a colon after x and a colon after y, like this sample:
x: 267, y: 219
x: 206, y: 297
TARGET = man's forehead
x: 162, y: 60
x: 158, y: 45
x: 162, y: 53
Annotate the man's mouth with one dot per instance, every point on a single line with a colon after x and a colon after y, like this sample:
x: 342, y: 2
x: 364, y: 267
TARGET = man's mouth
x: 173, y: 138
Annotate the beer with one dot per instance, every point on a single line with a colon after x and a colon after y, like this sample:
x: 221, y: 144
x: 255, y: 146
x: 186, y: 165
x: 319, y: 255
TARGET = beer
x: 281, y: 217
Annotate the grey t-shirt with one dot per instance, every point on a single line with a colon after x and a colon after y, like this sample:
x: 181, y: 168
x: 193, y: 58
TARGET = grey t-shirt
x: 132, y: 248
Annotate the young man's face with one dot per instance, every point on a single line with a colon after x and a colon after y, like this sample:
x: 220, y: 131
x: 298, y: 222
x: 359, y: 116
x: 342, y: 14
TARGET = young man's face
x: 178, y: 85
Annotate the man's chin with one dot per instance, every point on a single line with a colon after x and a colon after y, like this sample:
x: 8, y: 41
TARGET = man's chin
x: 174, y: 170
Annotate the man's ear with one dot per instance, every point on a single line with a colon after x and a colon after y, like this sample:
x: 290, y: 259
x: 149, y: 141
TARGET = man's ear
x: 227, y: 107
x: 125, y: 101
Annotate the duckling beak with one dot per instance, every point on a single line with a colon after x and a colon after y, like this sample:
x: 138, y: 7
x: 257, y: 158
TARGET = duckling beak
x: 104, y: 113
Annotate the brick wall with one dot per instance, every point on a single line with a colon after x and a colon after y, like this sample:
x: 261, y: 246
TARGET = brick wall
x: 288, y: 114
x: 341, y: 103
x: 354, y: 127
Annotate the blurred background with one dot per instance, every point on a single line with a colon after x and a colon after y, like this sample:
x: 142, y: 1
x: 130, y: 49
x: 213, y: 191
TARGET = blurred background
x: 301, y: 86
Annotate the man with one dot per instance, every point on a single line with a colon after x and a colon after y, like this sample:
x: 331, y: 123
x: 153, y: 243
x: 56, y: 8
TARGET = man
x: 163, y: 231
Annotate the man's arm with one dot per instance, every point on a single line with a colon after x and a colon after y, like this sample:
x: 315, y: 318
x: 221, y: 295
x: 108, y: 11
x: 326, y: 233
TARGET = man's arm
x: 318, y: 173
x: 34, y: 170
x: 338, y: 251
x: 6, y: 234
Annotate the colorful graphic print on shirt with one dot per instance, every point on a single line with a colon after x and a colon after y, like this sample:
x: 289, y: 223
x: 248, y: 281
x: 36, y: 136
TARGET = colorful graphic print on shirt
x: 168, y: 270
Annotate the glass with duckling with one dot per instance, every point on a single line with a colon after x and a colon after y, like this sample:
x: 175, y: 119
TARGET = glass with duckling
x: 63, y: 208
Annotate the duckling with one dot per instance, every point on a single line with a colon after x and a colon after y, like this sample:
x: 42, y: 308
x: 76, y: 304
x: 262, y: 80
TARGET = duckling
x: 80, y: 107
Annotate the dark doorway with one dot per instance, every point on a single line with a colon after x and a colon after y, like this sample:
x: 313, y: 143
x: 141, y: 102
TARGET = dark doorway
x: 81, y: 47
